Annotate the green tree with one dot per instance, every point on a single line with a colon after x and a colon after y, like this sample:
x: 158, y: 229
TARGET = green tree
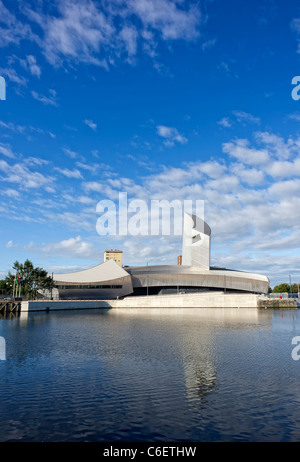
x: 295, y: 288
x: 281, y: 288
x: 4, y: 289
x: 27, y: 279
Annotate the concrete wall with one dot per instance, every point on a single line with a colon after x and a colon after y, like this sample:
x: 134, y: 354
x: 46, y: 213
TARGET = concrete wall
x: 53, y: 305
x: 207, y: 300
x: 274, y: 303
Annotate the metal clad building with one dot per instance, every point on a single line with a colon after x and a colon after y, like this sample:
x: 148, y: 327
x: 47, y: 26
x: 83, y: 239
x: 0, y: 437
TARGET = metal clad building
x: 110, y: 281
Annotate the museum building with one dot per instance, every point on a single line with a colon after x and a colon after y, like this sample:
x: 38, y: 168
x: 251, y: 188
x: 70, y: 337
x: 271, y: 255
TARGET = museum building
x: 111, y: 280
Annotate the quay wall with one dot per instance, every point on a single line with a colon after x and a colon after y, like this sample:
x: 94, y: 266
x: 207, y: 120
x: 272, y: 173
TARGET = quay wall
x: 206, y: 300
x: 274, y: 303
x: 57, y: 305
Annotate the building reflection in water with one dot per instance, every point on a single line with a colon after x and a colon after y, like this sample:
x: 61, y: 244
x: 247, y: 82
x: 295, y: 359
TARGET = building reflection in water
x: 192, y: 337
x: 188, y: 334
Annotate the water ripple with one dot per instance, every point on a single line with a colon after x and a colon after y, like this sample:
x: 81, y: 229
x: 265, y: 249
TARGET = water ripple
x: 150, y: 376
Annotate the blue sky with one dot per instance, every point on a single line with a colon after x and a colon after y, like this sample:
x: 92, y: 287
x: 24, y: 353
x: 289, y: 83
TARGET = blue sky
x: 160, y: 99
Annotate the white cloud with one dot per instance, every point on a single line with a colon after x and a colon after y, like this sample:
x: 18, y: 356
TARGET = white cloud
x: 85, y: 200
x: 13, y: 127
x: 6, y: 150
x: 243, y: 116
x: 285, y: 169
x: 213, y: 169
x: 251, y: 176
x: 70, y: 153
x: 32, y: 65
x: 208, y: 44
x: 241, y: 150
x: 240, y: 117
x: 277, y: 146
x: 90, y: 124
x: 12, y: 31
x: 12, y: 75
x: 92, y: 168
x: 285, y: 190
x: 68, y: 248
x: 76, y: 32
x: 69, y: 173
x: 227, y: 67
x: 24, y: 130
x: 29, y: 63
x: 38, y: 161
x: 167, y: 18
x: 47, y: 100
x: 171, y: 135
x: 225, y: 122
x: 295, y: 25
x: 129, y: 36
x: 9, y: 244
x: 24, y: 178
x: 224, y: 184
x: 100, y: 34
x: 12, y: 193
x: 295, y: 116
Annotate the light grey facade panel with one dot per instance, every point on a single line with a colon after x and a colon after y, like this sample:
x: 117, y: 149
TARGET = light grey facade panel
x: 196, y: 242
x: 194, y: 277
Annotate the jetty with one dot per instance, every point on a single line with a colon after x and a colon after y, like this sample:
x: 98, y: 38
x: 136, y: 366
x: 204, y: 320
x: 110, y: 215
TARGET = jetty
x: 10, y: 306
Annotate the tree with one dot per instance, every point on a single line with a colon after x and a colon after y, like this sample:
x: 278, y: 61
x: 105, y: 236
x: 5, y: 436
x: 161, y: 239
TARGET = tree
x: 4, y: 289
x: 27, y: 279
x: 284, y: 287
x: 295, y: 288
x: 281, y: 288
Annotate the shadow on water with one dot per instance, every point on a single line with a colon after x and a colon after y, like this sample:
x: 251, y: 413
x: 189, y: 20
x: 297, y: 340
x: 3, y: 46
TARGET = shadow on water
x: 10, y: 315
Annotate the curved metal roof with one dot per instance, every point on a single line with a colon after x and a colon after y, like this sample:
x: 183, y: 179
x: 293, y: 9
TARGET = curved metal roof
x: 193, y: 270
x: 106, y: 271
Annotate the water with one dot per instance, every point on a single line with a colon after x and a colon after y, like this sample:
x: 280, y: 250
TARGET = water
x: 150, y: 375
